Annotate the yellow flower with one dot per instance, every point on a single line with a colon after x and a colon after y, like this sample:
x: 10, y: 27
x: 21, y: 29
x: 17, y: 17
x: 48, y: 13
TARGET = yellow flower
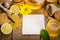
x: 25, y: 9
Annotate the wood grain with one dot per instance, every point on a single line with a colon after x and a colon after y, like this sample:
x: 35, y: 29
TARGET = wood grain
x: 5, y: 37
x: 17, y: 35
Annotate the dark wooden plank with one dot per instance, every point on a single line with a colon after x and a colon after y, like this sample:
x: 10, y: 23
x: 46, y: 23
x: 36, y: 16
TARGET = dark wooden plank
x: 5, y: 37
x: 17, y: 35
x: 31, y: 37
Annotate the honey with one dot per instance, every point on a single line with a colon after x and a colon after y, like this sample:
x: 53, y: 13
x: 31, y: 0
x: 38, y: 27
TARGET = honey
x: 36, y: 3
x: 53, y: 29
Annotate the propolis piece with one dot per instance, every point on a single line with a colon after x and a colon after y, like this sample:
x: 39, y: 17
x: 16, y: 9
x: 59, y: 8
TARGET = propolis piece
x: 3, y: 18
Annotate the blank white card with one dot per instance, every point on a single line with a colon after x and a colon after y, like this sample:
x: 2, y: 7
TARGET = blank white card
x: 32, y: 24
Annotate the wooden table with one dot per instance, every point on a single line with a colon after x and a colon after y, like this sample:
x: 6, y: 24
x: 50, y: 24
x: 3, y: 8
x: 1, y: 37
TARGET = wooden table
x: 17, y: 35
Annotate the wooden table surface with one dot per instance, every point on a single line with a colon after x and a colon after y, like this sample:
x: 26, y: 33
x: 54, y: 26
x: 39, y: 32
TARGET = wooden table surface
x: 17, y: 35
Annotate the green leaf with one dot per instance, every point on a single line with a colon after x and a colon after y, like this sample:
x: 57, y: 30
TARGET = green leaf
x: 44, y: 34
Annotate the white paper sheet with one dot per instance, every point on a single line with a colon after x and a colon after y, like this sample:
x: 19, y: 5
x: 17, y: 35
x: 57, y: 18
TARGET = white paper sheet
x: 32, y: 24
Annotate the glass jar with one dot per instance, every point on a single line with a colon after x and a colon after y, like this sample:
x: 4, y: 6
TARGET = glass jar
x: 36, y: 4
x: 53, y: 29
